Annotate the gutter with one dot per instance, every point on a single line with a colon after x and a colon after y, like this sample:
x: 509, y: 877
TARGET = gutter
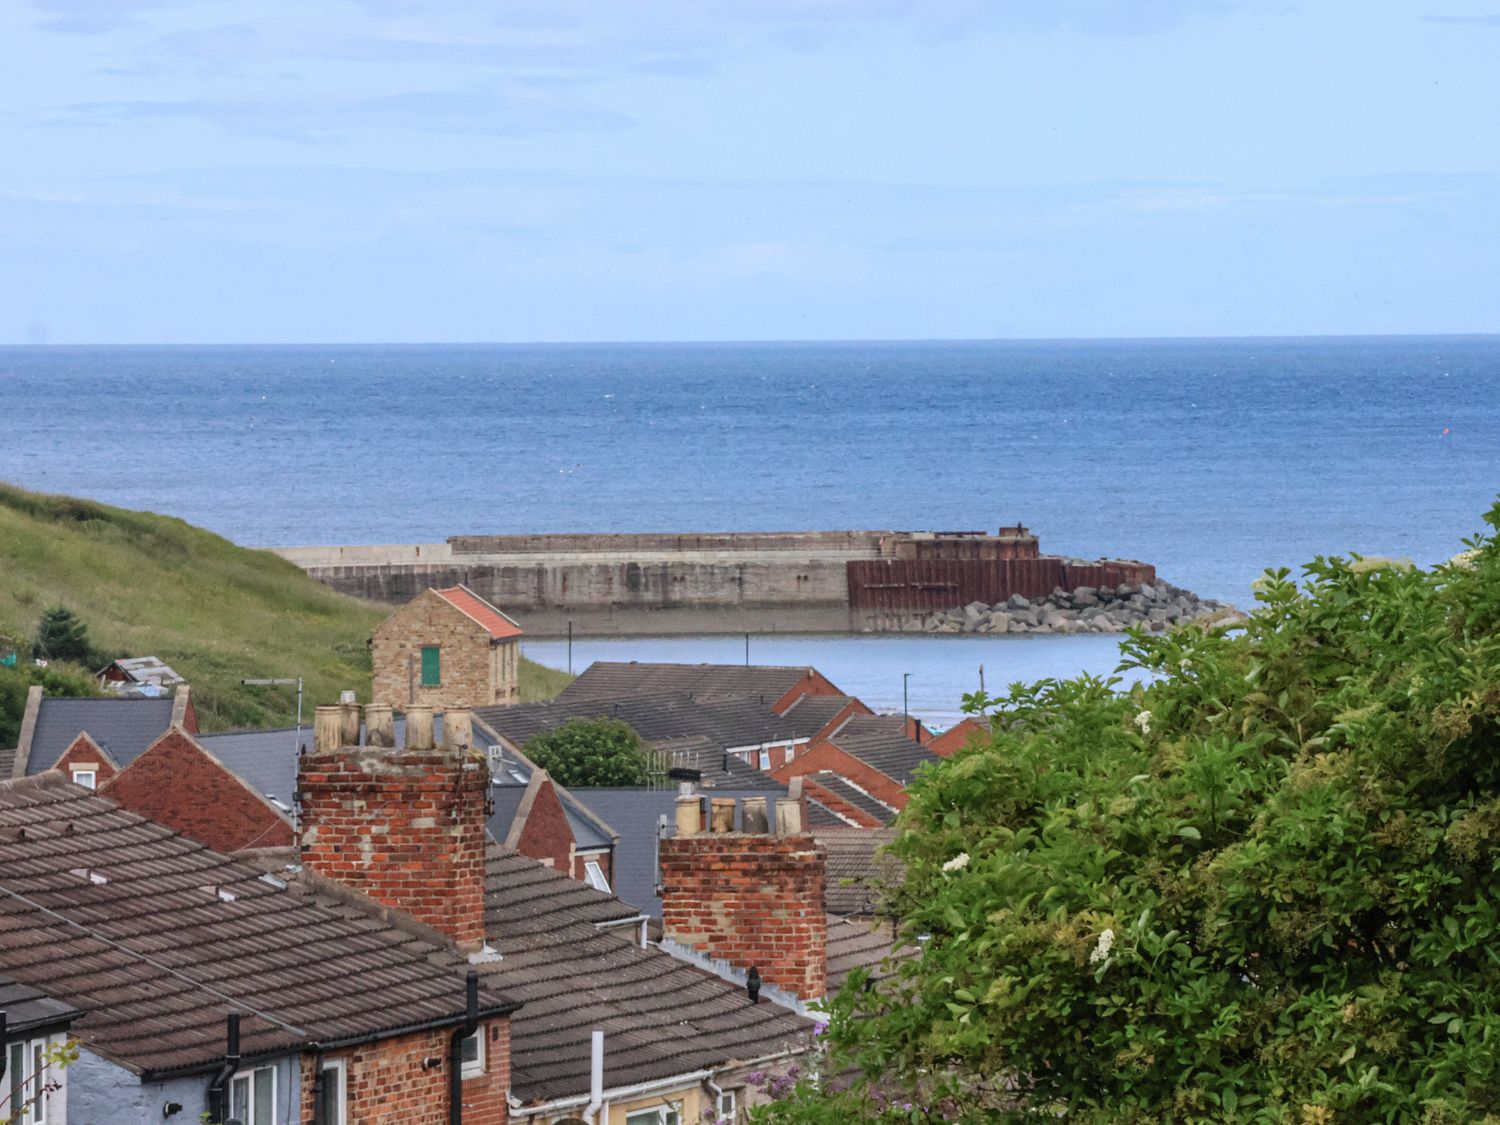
x: 455, y: 1049
x: 438, y: 1024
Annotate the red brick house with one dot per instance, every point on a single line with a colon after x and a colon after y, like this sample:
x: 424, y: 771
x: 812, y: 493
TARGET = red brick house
x: 447, y: 649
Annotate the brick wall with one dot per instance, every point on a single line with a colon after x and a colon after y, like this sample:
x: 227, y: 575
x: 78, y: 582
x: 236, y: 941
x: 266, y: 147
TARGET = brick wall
x: 750, y: 900
x: 814, y: 683
x: 387, y: 1083
x: 605, y: 860
x: 406, y: 827
x: 547, y: 835
x: 956, y: 737
x: 84, y: 754
x: 178, y: 783
x: 474, y: 672
x: 828, y: 756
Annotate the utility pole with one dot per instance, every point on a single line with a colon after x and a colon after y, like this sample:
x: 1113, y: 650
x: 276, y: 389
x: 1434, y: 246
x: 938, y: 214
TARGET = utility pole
x: 285, y: 683
x: 905, y: 710
x: 570, y: 648
x: 747, y: 650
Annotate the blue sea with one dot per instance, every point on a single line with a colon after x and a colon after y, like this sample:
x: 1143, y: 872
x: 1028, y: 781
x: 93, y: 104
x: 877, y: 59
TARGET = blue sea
x: 1212, y: 459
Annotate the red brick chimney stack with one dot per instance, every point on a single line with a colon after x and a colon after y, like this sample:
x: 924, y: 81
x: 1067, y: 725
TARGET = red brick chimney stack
x: 749, y: 898
x: 405, y: 826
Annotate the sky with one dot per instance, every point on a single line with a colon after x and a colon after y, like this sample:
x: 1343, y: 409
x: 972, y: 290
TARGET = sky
x: 262, y: 171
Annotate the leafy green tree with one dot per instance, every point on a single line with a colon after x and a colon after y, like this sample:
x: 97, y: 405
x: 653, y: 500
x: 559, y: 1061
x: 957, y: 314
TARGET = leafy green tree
x: 1262, y: 887
x: 591, y: 752
x: 60, y: 635
x: 55, y: 681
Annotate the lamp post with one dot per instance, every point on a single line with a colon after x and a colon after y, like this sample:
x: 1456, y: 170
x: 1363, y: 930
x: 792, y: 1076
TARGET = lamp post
x: 905, y: 710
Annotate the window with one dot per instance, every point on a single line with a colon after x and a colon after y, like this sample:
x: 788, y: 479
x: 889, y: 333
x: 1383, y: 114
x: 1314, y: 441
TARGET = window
x: 593, y: 874
x: 728, y: 1107
x: 252, y: 1097
x: 86, y: 778
x: 471, y: 1051
x: 765, y: 759
x: 432, y: 666
x: 657, y: 1115
x: 28, y: 1075
x: 335, y: 1092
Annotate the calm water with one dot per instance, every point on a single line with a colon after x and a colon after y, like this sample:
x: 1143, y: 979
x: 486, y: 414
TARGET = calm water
x: 1212, y: 459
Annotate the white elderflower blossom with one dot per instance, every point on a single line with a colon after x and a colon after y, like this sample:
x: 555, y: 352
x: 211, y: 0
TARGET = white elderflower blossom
x: 1143, y: 722
x: 1101, y: 950
x: 958, y: 862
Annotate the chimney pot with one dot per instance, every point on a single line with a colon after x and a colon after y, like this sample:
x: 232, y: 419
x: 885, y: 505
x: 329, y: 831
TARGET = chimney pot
x: 689, y: 816
x: 722, y: 814
x: 380, y: 725
x: 788, y: 817
x: 753, y: 817
x: 328, y: 723
x: 458, y: 729
x: 419, y: 727
x: 348, y: 720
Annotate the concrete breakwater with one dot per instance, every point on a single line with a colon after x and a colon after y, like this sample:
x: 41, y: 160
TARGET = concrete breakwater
x: 763, y: 582
x: 1150, y: 606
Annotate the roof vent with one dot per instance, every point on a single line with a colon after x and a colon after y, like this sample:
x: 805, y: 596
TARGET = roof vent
x: 92, y: 876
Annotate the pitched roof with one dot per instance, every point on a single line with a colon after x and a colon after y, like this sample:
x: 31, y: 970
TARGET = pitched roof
x: 855, y: 943
x: 614, y: 680
x: 811, y: 713
x: 856, y: 867
x: 124, y: 727
x: 695, y: 731
x: 27, y: 1009
x: 660, y: 1016
x: 841, y: 787
x: 145, y: 670
x: 496, y: 623
x: 156, y: 938
x: 883, y: 746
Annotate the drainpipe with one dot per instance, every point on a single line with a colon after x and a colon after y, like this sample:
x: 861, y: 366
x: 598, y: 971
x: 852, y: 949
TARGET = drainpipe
x: 319, y: 1083
x: 716, y: 1092
x: 4, y: 1054
x: 456, y: 1051
x: 596, y: 1078
x: 218, y: 1089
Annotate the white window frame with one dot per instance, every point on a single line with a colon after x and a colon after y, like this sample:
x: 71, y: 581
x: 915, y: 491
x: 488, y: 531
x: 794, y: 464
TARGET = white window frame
x: 729, y: 1107
x: 658, y: 1115
x: 35, y: 1070
x: 765, y: 757
x: 340, y: 1067
x: 92, y: 775
x: 593, y: 875
x: 248, y: 1078
x: 474, y: 1068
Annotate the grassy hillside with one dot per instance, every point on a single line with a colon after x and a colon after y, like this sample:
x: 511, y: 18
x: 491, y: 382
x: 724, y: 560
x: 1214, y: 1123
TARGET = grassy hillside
x: 153, y: 585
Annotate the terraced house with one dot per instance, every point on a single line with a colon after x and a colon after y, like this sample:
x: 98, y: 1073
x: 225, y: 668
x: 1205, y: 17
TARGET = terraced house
x: 395, y: 964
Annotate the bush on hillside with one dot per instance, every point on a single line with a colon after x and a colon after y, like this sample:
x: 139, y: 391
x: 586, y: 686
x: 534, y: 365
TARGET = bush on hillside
x: 604, y: 753
x: 56, y: 680
x: 61, y: 635
x: 1262, y: 888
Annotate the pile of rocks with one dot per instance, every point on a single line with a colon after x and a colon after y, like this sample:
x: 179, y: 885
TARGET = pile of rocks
x: 1084, y: 610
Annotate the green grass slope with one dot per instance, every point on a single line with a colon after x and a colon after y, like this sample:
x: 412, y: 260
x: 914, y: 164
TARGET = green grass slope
x: 150, y: 585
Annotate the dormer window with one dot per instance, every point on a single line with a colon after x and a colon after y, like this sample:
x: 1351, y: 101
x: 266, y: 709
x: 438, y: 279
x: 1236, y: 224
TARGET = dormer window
x: 593, y: 874
x: 87, y: 778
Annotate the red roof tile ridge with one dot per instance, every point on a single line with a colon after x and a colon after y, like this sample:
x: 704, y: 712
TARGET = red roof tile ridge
x: 492, y: 618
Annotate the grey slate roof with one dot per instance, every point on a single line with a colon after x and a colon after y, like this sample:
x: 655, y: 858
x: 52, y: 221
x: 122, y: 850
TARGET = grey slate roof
x: 660, y: 1016
x: 616, y: 680
x: 856, y: 867
x: 7, y: 763
x: 156, y: 937
x: 820, y: 816
x: 633, y: 813
x: 810, y: 714
x: 841, y: 787
x: 29, y: 1010
x: 124, y: 727
x: 855, y: 943
x: 695, y: 731
x: 886, y: 749
x: 266, y: 760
